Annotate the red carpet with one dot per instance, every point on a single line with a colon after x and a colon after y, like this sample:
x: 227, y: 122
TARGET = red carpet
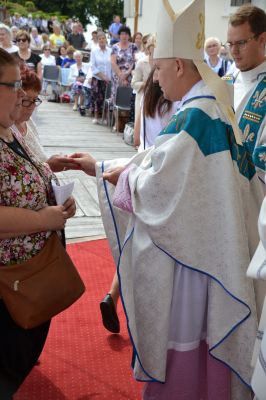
x: 81, y: 360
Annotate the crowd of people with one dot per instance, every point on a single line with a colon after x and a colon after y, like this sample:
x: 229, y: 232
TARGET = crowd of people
x: 180, y: 216
x: 116, y: 59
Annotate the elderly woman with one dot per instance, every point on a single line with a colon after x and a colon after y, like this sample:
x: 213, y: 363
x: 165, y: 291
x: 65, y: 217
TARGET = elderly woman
x: 14, y: 30
x: 47, y: 59
x: 31, y: 85
x: 6, y: 39
x: 27, y: 221
x: 123, y: 60
x: 77, y: 75
x: 212, y: 49
x: 33, y: 61
x: 36, y: 42
x: 101, y: 75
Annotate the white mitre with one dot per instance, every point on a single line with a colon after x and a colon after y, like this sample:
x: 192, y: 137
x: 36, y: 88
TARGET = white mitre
x: 181, y: 35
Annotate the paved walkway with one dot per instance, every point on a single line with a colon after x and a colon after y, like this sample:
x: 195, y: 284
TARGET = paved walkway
x: 65, y: 131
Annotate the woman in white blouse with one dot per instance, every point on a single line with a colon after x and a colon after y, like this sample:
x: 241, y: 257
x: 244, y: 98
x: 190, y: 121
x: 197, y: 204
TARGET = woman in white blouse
x: 36, y: 41
x: 6, y: 39
x: 101, y: 75
x: 47, y: 59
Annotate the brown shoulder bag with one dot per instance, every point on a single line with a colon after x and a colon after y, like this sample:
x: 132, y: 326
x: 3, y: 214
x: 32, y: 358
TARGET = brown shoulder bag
x: 37, y: 289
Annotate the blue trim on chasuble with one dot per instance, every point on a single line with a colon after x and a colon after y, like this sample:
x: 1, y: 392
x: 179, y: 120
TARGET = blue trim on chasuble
x: 111, y: 211
x: 232, y: 328
x: 212, y: 136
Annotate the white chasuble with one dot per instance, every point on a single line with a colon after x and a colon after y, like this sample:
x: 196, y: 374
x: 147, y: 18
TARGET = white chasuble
x: 189, y: 196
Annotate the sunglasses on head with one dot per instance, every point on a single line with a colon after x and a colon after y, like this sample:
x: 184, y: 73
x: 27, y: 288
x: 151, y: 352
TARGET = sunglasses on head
x: 22, y: 40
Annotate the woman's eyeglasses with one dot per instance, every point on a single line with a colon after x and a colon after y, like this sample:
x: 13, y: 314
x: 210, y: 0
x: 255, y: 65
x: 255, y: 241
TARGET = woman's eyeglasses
x: 29, y: 103
x: 47, y: 49
x: 17, y: 85
x: 22, y: 40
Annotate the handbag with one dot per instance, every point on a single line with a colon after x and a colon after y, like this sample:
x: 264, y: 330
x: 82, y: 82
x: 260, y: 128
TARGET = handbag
x: 129, y: 133
x: 41, y: 287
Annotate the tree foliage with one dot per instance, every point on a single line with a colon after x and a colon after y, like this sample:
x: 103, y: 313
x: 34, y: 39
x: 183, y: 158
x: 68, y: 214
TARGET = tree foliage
x: 103, y: 10
x: 84, y: 9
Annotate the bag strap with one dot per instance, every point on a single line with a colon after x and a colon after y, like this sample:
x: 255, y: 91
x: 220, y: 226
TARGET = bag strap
x: 19, y: 149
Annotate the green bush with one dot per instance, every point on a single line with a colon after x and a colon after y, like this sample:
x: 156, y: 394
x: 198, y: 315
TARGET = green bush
x: 25, y: 7
x: 16, y: 8
x: 30, y: 6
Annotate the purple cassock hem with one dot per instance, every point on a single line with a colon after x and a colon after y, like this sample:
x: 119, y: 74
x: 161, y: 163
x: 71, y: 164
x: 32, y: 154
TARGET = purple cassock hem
x: 191, y: 375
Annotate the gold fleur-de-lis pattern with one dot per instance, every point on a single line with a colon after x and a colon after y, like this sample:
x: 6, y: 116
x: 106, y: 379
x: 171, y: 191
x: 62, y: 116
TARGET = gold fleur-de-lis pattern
x: 259, y: 98
x: 247, y: 135
x: 262, y: 157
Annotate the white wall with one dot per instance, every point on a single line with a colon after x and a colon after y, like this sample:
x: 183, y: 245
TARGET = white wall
x: 217, y: 14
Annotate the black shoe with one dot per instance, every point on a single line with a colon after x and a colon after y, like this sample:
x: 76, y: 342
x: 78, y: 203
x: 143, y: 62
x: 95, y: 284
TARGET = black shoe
x: 82, y: 111
x: 109, y: 315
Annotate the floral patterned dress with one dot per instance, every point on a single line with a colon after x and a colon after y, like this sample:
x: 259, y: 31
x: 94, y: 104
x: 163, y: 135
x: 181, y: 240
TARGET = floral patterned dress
x: 125, y: 59
x: 22, y: 186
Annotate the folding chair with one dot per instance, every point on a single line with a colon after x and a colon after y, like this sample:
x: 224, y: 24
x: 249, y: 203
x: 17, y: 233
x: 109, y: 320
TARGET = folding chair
x: 106, y: 104
x: 122, y: 102
x: 51, y: 74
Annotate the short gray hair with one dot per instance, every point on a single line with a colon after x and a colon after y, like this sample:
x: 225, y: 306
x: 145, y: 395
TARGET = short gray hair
x: 6, y: 29
x: 212, y: 39
x: 14, y: 28
x: 100, y: 34
x: 77, y: 53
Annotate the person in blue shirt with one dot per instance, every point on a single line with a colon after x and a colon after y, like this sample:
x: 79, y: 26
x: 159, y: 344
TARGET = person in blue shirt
x: 113, y: 30
x: 68, y: 60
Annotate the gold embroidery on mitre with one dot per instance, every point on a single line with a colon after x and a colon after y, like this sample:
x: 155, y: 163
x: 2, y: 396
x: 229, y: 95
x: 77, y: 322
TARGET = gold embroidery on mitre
x: 201, y: 35
x: 169, y: 10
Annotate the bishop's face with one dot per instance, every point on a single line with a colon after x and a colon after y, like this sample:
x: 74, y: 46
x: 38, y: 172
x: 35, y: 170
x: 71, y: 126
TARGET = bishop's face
x: 167, y: 77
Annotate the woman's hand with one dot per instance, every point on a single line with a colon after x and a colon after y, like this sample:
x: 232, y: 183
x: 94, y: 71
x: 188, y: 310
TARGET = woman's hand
x: 59, y: 163
x: 52, y: 218
x: 69, y: 207
x: 86, y: 162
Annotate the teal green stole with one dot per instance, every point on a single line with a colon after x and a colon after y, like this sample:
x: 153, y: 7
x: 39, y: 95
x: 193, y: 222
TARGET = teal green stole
x: 250, y: 123
x: 251, y: 120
